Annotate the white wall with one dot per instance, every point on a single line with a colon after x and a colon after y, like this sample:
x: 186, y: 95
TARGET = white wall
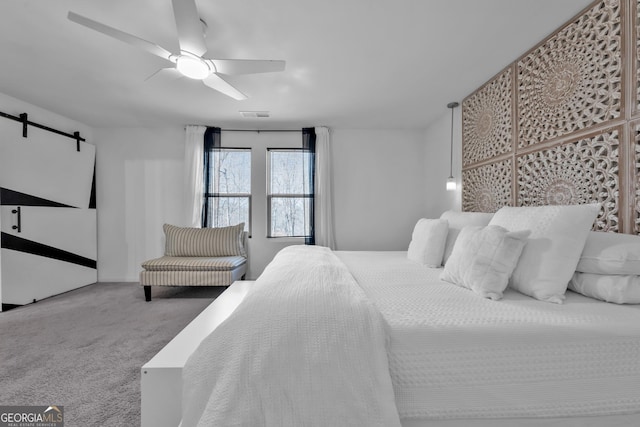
x: 139, y: 175
x: 379, y: 187
x: 384, y: 180
x: 437, y: 164
x: 379, y: 183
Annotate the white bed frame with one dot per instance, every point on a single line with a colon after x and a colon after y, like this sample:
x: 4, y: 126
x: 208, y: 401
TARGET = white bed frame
x: 161, y: 377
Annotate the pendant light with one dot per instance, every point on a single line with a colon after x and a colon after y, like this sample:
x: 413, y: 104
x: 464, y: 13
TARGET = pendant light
x: 451, y: 181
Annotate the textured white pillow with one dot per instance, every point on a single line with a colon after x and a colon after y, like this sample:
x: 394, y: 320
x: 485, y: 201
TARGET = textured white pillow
x: 427, y: 241
x: 459, y: 220
x: 483, y: 258
x: 558, y: 235
x: 607, y: 287
x: 610, y: 253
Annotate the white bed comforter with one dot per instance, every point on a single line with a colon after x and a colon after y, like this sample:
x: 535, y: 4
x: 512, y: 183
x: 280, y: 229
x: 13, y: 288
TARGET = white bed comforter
x: 456, y: 356
x: 305, y: 348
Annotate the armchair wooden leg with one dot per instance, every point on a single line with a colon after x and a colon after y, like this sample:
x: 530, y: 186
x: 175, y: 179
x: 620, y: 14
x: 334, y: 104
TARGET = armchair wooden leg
x: 147, y: 293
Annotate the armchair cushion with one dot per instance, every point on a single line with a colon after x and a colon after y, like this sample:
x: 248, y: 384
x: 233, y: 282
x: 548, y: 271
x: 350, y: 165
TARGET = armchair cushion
x: 204, y: 242
x: 167, y: 263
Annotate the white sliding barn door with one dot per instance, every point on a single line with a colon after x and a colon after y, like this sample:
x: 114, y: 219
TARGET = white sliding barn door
x: 47, y: 214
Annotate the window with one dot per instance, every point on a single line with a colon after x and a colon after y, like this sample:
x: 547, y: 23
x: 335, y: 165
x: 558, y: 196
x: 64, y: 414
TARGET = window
x: 289, y: 193
x: 269, y: 189
x: 228, y: 188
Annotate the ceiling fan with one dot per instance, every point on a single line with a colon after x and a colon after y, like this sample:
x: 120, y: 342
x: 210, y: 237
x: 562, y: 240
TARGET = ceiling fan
x: 190, y: 62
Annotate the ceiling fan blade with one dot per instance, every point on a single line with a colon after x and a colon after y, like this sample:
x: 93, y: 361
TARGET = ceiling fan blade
x: 165, y: 74
x: 247, y: 66
x: 189, y: 26
x: 120, y: 35
x: 216, y: 82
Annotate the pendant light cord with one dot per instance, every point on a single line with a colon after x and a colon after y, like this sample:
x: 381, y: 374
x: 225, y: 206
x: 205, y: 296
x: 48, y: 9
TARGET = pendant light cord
x: 451, y: 153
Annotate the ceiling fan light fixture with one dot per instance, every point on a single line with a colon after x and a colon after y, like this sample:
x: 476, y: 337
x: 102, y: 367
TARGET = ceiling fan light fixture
x: 193, y: 66
x: 190, y: 62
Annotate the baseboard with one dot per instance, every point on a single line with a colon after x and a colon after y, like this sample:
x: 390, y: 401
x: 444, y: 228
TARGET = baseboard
x: 7, y: 307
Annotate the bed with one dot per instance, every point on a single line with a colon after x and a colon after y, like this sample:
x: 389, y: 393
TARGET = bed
x: 456, y: 358
x: 452, y: 358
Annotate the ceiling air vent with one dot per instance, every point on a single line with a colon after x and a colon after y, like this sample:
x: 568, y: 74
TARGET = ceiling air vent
x: 254, y: 114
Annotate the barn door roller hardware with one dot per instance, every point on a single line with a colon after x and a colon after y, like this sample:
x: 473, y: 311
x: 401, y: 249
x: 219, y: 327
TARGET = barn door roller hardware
x: 23, y: 118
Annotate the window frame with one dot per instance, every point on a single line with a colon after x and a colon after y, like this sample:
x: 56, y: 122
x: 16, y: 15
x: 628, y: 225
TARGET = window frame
x: 270, y: 195
x: 215, y: 195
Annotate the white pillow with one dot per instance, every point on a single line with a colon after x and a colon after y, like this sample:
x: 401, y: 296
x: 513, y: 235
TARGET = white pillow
x: 427, y: 241
x: 459, y: 220
x: 483, y: 258
x: 607, y: 287
x: 610, y: 253
x: 548, y: 261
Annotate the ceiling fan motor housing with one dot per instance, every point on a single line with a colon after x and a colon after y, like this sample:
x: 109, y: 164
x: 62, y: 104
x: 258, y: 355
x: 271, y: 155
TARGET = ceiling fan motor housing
x: 193, y: 66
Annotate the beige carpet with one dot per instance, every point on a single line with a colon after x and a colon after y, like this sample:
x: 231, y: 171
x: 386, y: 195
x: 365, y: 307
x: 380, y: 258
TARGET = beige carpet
x: 84, y: 349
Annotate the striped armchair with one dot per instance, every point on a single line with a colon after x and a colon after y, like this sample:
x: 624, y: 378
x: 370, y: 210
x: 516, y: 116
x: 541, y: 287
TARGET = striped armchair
x: 197, y: 257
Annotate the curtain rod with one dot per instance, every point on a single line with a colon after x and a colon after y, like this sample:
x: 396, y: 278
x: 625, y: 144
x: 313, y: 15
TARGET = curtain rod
x: 261, y: 130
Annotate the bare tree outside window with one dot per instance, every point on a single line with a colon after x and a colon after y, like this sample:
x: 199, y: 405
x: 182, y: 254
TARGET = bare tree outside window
x: 289, y: 190
x: 229, y: 192
x: 289, y: 195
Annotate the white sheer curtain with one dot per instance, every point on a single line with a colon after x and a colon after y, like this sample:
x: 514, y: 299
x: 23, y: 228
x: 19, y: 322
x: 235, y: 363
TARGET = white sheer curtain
x: 323, y: 210
x: 193, y: 174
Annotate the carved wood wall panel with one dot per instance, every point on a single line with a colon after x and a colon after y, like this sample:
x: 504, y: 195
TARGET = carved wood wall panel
x: 636, y: 183
x: 488, y: 187
x: 487, y: 124
x: 576, y: 122
x: 636, y: 11
x: 583, y: 171
x: 573, y: 80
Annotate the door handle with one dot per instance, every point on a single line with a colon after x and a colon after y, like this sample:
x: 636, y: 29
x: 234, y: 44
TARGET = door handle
x: 19, y: 214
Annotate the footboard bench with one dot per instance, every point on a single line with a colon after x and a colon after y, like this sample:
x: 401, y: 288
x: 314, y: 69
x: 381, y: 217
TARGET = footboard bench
x: 161, y: 377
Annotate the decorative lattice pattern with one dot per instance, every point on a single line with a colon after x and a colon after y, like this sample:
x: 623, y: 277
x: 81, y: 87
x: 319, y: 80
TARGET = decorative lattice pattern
x: 636, y: 211
x: 486, y: 116
x: 487, y: 188
x: 637, y: 82
x: 585, y: 171
x: 573, y: 80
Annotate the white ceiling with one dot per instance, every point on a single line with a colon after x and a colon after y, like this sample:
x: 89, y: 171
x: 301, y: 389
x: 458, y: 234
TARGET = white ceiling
x: 350, y: 63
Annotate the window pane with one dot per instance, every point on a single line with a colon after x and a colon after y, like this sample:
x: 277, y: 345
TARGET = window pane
x: 289, y: 172
x: 226, y: 211
x: 290, y: 216
x: 231, y: 171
